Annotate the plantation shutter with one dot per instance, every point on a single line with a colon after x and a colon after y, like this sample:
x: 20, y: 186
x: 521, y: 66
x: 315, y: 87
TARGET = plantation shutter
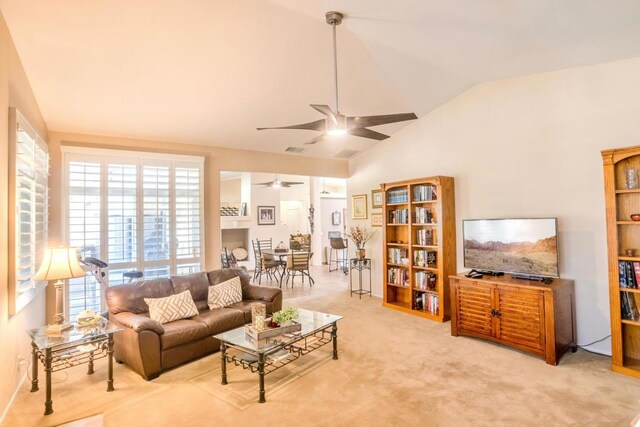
x: 187, y: 219
x: 158, y: 242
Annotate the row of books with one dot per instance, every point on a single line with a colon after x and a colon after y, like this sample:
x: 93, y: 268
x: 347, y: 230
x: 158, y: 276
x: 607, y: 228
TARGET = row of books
x: 424, y: 193
x: 628, y: 306
x: 424, y: 258
x: 629, y: 274
x: 425, y: 281
x: 398, y: 196
x: 395, y: 255
x: 398, y: 276
x: 425, y: 237
x: 426, y: 302
x: 422, y: 216
x: 399, y: 216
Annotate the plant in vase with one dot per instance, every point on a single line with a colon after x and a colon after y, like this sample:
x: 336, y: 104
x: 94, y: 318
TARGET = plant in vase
x: 284, y: 317
x: 360, y: 236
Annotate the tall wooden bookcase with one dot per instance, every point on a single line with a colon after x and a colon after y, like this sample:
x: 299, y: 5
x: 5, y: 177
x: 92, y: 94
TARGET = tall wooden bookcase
x: 622, y: 234
x: 419, y: 248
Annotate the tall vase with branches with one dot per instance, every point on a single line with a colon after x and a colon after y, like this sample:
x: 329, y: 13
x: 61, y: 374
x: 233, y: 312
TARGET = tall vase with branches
x: 360, y: 236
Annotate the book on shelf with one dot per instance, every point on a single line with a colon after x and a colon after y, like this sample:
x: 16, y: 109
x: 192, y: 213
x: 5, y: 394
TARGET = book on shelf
x: 628, y: 274
x: 398, y: 196
x: 424, y: 193
x: 398, y: 276
x: 422, y: 216
x: 426, y: 281
x: 629, y: 307
x: 424, y: 258
x: 425, y: 237
x: 395, y: 255
x: 399, y: 216
x: 426, y: 302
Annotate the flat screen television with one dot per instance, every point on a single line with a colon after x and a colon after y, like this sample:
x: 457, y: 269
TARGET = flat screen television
x: 526, y: 246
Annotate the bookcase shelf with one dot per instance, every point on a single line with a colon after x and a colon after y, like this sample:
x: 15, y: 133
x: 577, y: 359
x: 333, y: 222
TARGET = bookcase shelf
x: 430, y: 238
x: 622, y: 235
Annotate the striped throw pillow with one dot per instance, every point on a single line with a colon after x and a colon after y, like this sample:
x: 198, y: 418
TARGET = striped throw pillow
x: 173, y: 307
x: 225, y: 293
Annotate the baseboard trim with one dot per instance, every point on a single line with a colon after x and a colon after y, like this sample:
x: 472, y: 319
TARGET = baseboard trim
x: 13, y: 398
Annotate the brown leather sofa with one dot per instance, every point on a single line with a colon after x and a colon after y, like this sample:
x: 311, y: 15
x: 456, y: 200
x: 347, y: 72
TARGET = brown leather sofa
x: 150, y: 348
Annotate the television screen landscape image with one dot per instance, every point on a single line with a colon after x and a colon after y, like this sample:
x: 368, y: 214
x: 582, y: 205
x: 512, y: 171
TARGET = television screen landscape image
x: 519, y: 246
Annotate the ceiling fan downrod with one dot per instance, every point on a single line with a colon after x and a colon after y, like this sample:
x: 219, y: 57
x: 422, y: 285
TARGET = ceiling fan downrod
x: 333, y: 19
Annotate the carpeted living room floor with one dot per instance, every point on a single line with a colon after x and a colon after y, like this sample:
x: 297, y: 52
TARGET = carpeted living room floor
x: 394, y: 369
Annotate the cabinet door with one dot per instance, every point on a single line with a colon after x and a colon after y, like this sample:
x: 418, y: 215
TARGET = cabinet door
x: 473, y: 313
x: 520, y: 318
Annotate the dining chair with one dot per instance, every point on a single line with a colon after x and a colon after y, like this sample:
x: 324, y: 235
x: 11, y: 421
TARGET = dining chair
x: 298, y: 262
x: 227, y: 259
x: 264, y: 263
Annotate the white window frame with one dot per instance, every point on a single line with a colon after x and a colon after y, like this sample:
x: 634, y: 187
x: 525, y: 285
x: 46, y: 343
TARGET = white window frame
x: 18, y: 301
x: 141, y: 159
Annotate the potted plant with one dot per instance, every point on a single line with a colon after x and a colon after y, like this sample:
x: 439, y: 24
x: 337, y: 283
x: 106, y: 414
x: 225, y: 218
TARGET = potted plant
x: 360, y: 236
x: 285, y: 317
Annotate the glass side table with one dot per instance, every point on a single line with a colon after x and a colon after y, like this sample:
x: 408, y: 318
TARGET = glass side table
x: 78, y: 346
x: 359, y: 264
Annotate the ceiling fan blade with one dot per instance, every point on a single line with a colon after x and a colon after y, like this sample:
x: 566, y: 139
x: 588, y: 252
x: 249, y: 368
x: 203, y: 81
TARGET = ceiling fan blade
x: 367, y: 133
x: 326, y: 110
x: 314, y: 140
x: 264, y: 183
x: 289, y: 183
x: 317, y: 125
x: 366, y: 121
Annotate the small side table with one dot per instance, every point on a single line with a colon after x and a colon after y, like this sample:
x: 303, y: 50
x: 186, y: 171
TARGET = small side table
x: 78, y: 346
x: 359, y: 264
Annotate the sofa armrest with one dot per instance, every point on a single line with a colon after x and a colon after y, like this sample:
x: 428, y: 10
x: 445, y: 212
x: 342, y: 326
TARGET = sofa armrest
x: 138, y: 322
x: 261, y: 293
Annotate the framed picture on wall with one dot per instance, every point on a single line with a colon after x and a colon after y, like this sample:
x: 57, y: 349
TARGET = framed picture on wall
x: 335, y: 218
x: 376, y: 199
x: 359, y: 206
x: 376, y: 219
x: 266, y: 215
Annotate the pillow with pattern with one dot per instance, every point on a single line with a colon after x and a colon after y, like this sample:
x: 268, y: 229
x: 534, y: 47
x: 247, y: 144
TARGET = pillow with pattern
x: 224, y: 294
x: 173, y: 307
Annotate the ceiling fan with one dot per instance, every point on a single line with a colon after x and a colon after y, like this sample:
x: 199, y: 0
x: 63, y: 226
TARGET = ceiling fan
x: 336, y: 124
x: 276, y: 183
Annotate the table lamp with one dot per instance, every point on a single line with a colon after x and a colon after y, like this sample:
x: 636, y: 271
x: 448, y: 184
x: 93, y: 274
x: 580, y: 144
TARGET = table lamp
x: 59, y: 264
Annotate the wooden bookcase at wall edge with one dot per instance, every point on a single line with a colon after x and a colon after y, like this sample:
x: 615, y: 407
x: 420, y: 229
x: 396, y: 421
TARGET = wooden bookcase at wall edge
x: 419, y: 246
x: 623, y: 234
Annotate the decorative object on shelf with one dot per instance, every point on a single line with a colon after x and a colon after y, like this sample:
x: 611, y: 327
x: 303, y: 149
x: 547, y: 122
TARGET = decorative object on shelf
x: 259, y: 316
x: 631, y: 176
x: 266, y: 215
x: 376, y: 198
x: 359, y: 206
x: 285, y: 317
x: 630, y: 252
x: 635, y: 217
x: 360, y: 236
x: 229, y: 211
x: 243, y: 209
x: 241, y: 254
x: 281, y: 247
x: 377, y: 219
x: 311, y: 218
x: 59, y: 264
x: 335, y: 218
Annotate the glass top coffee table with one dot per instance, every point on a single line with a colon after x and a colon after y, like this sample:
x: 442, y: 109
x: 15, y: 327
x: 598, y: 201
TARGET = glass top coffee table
x: 267, y: 356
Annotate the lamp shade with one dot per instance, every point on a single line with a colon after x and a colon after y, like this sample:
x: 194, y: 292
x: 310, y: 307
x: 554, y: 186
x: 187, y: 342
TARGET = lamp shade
x: 59, y: 263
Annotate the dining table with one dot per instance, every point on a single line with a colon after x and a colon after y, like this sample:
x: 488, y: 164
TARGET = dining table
x: 282, y: 257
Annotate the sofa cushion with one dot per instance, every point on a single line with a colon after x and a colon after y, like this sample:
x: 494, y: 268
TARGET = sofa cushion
x: 225, y: 293
x: 220, y: 319
x: 245, y: 308
x: 196, y: 283
x: 130, y: 297
x: 181, y: 332
x: 173, y: 307
x: 221, y: 275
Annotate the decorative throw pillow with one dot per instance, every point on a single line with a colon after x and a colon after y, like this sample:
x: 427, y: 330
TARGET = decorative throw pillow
x: 173, y: 307
x: 225, y: 293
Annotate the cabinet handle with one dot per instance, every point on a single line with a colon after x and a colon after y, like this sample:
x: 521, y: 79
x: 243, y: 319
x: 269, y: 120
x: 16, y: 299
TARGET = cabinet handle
x: 498, y: 314
x: 495, y: 313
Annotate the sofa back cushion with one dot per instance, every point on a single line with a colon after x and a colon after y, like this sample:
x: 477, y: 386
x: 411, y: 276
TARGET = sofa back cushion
x: 221, y: 275
x: 196, y: 283
x: 130, y: 297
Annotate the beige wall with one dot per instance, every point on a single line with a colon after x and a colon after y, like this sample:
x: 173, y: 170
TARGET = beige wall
x: 231, y: 192
x: 522, y: 147
x: 14, y: 92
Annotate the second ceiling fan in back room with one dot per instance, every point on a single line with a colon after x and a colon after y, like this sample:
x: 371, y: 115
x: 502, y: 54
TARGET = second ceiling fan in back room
x: 336, y: 124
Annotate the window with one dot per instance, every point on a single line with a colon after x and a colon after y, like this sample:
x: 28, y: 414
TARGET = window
x: 28, y: 177
x: 135, y: 211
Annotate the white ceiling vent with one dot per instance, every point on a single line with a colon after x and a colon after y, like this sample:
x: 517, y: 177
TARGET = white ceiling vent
x: 345, y: 154
x: 294, y: 149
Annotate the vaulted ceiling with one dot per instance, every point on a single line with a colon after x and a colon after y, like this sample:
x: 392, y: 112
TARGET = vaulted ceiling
x: 210, y: 72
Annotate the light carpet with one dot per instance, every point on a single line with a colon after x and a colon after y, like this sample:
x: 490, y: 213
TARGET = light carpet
x: 393, y: 369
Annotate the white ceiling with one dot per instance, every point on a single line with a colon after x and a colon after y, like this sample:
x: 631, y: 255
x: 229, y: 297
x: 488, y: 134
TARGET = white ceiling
x: 210, y: 72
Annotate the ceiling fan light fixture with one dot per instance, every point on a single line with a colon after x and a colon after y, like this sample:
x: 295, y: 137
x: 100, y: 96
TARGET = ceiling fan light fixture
x: 337, y: 132
x: 276, y: 184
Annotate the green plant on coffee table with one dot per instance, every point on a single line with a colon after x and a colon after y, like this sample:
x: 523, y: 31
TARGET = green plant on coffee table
x: 282, y: 316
